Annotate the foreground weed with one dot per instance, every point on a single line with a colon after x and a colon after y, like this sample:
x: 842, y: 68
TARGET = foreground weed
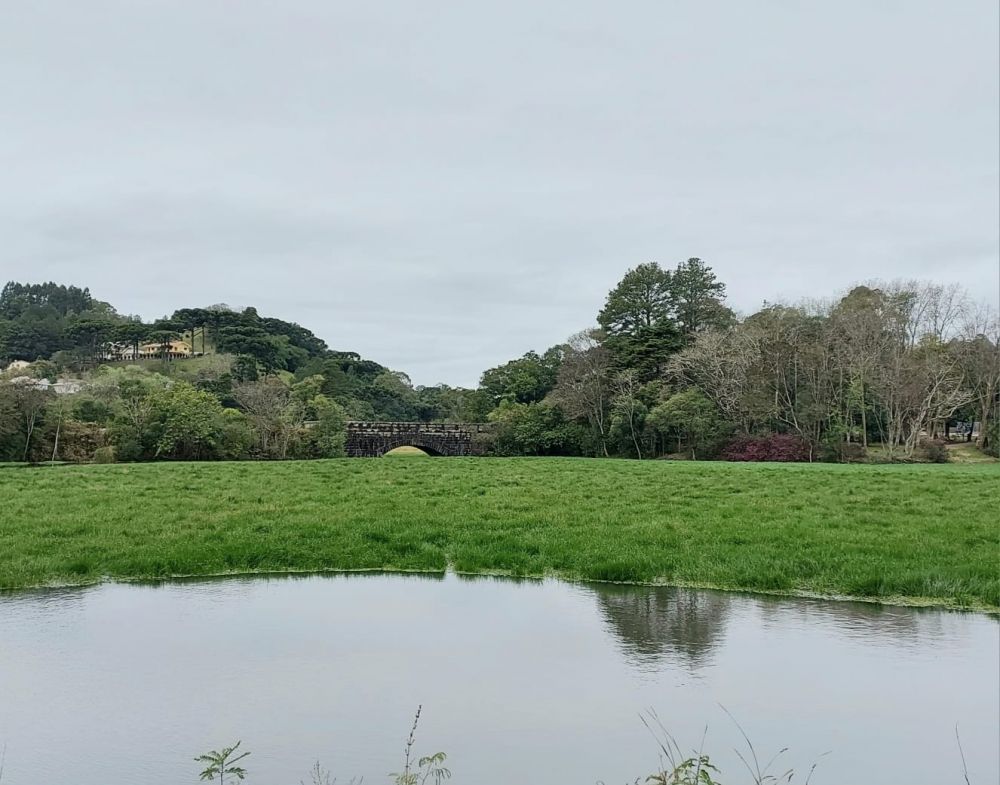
x: 677, y: 768
x: 427, y: 768
x: 222, y: 765
x: 320, y: 776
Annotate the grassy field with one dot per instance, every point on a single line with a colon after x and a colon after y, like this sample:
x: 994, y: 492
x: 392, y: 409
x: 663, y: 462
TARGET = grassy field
x: 924, y: 534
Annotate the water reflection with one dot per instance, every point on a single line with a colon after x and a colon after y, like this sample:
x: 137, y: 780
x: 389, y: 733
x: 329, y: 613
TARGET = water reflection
x: 656, y: 624
x: 142, y: 677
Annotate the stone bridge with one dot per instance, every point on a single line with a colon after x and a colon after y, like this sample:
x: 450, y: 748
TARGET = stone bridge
x: 373, y: 439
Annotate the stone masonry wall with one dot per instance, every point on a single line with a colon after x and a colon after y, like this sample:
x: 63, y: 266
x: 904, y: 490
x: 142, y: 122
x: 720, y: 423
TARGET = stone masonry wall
x: 373, y: 439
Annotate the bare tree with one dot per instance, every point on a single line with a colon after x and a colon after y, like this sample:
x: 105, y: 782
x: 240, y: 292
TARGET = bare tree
x: 720, y: 363
x: 583, y: 387
x: 627, y: 406
x: 867, y: 329
x: 264, y: 402
x: 918, y: 388
x: 926, y: 308
x: 29, y: 403
x: 794, y: 380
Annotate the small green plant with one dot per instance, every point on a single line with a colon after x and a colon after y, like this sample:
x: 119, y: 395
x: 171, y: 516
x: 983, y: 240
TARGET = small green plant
x: 222, y: 765
x: 429, y: 768
x: 676, y: 768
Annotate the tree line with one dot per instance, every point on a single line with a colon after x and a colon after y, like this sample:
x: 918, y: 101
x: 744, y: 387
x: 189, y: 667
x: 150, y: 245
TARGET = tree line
x: 671, y: 370
x: 668, y: 370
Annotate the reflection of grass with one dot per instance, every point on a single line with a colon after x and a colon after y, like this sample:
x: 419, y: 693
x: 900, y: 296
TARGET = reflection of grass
x: 917, y: 533
x: 407, y: 452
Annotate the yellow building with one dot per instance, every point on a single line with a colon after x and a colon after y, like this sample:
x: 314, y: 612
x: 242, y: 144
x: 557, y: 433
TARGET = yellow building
x: 172, y: 350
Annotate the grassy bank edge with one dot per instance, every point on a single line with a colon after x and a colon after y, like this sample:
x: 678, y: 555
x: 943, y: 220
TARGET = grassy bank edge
x: 891, y: 601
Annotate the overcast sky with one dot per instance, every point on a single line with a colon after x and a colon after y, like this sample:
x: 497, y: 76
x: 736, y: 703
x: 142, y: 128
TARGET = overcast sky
x: 443, y: 186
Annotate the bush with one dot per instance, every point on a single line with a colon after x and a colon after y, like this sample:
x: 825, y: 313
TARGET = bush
x: 128, y: 450
x: 104, y: 455
x: 839, y: 451
x: 992, y: 446
x: 78, y: 441
x: 774, y: 447
x: 933, y: 451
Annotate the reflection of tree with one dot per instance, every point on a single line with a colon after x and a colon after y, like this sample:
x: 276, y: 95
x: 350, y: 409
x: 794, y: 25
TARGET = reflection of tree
x: 654, y: 623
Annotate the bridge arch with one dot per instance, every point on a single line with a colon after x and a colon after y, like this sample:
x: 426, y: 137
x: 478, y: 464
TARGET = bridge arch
x: 432, y: 451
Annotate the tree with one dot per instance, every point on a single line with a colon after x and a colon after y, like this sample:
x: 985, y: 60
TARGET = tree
x: 17, y: 298
x: 527, y: 379
x: 89, y: 335
x: 245, y: 368
x: 867, y: 327
x: 265, y: 402
x: 583, y: 386
x: 328, y: 432
x: 270, y: 352
x: 641, y: 299
x: 793, y: 383
x: 134, y: 398
x: 927, y: 309
x: 190, y: 321
x: 697, y: 298
x: 163, y: 333
x: 132, y: 334
x: 638, y: 321
x: 628, y: 409
x: 917, y: 389
x: 186, y: 423
x: 980, y: 361
x: 28, y: 403
x: 693, y: 421
x: 721, y: 365
x: 392, y: 395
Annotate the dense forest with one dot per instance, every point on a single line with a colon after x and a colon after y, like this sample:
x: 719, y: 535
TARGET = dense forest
x: 884, y: 372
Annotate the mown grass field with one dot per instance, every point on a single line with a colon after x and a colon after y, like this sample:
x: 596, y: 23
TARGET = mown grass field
x: 923, y: 534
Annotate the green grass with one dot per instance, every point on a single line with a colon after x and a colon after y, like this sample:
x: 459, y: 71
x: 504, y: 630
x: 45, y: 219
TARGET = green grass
x: 923, y: 534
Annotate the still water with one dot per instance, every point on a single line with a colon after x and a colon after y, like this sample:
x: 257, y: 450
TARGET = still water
x: 520, y: 681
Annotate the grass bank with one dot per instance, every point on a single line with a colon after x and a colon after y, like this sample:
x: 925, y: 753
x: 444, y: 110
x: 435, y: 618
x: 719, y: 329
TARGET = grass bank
x: 922, y: 534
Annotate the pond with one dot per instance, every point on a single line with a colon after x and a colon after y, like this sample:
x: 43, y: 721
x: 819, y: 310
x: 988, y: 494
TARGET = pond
x: 520, y: 681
